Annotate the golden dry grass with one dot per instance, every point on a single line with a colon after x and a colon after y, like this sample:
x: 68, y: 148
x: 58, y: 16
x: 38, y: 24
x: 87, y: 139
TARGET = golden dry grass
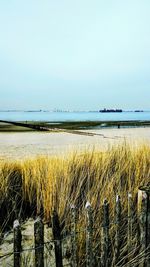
x: 56, y: 183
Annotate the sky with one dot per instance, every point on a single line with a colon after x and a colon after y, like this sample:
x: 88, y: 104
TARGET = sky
x: 74, y: 55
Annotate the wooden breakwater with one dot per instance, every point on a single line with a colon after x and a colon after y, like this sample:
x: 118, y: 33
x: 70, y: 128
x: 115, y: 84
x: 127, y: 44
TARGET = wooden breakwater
x: 27, y: 125
x: 107, y: 253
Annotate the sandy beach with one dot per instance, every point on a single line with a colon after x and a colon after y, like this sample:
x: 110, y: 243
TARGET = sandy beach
x: 31, y: 144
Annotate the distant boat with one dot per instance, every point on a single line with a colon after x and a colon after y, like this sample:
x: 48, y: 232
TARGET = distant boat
x: 110, y: 110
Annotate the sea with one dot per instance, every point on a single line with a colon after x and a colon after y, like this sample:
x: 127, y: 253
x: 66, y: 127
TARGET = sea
x: 50, y: 116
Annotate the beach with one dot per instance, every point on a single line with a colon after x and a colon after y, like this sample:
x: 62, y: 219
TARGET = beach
x: 21, y: 145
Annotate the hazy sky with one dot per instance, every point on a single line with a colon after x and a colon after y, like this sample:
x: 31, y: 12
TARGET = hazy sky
x: 74, y: 54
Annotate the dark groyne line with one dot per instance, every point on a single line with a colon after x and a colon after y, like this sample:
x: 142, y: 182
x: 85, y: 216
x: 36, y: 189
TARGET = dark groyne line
x: 26, y: 125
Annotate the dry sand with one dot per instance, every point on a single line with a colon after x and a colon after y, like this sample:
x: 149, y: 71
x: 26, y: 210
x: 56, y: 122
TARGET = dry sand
x: 30, y: 144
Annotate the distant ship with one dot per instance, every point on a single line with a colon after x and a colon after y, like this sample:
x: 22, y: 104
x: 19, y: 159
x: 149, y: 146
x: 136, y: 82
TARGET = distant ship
x: 110, y: 110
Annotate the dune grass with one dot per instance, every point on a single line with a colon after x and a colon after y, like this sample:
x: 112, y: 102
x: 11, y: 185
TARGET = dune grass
x: 44, y: 184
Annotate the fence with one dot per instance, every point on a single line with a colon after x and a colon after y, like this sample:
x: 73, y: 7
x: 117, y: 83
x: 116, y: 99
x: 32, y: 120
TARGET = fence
x: 109, y: 254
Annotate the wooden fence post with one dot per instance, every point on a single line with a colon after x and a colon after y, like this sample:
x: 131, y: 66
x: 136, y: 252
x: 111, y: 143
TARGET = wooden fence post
x: 39, y: 242
x: 130, y: 224
x: 118, y: 225
x: 148, y: 227
x: 89, y: 235
x: 144, y: 221
x: 73, y: 236
x: 105, y: 236
x: 17, y: 243
x: 57, y: 239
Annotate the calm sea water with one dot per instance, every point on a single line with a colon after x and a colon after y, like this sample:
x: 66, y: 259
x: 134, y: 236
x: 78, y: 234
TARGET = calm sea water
x: 73, y: 116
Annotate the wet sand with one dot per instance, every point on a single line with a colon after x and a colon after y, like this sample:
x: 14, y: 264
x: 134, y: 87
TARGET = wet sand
x: 30, y: 144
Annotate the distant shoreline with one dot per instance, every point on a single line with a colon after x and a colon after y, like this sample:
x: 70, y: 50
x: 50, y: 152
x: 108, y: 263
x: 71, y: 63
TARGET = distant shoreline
x: 78, y: 111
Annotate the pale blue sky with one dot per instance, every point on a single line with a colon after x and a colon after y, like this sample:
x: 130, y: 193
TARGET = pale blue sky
x: 81, y: 54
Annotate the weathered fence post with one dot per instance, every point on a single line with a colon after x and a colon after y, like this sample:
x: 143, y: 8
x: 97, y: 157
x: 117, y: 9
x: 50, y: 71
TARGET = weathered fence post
x: 89, y: 235
x: 105, y: 236
x: 17, y: 243
x: 73, y: 236
x: 118, y: 225
x: 130, y: 224
x: 144, y: 222
x: 39, y: 242
x: 57, y: 239
x: 148, y: 226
